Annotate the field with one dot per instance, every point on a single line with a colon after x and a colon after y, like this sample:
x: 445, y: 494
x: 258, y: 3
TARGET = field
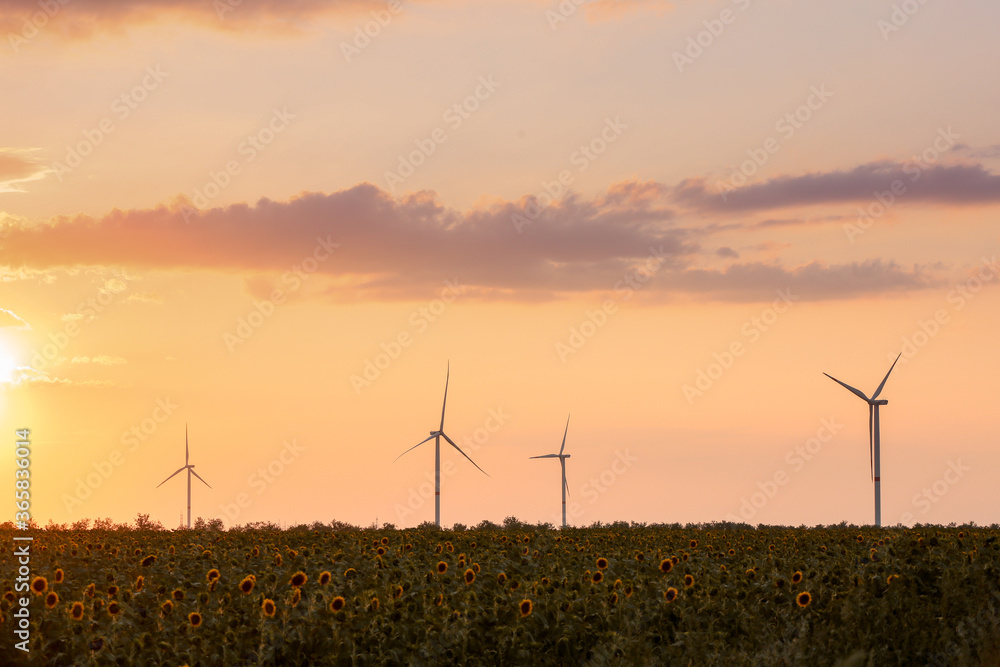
x: 517, y: 595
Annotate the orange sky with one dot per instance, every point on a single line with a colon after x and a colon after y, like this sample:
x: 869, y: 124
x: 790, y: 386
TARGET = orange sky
x: 667, y: 219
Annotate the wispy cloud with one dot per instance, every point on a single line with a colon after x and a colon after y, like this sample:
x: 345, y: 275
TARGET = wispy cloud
x: 8, y: 319
x: 942, y: 184
x: 102, y: 359
x: 25, y: 376
x: 17, y: 167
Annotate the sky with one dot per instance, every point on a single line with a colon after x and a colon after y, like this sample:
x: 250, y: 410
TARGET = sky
x: 280, y: 226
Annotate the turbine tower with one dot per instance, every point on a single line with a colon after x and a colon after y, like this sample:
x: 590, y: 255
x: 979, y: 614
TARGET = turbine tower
x: 562, y: 461
x: 874, y: 442
x: 190, y: 468
x: 436, y: 437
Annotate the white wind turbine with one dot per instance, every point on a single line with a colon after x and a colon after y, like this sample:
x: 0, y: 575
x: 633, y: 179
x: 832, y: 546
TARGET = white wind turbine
x: 436, y: 437
x: 190, y: 469
x: 873, y: 435
x: 562, y: 461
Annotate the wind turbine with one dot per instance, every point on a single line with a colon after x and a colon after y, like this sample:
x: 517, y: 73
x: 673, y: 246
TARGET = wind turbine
x: 873, y: 435
x: 190, y: 469
x: 562, y: 461
x: 436, y: 437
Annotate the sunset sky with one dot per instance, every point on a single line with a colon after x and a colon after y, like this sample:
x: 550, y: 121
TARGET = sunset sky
x: 279, y: 222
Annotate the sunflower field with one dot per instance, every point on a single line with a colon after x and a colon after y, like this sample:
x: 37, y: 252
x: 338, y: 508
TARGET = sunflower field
x: 522, y: 596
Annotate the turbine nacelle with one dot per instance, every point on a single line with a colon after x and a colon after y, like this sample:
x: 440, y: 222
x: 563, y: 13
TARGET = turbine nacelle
x: 879, y: 402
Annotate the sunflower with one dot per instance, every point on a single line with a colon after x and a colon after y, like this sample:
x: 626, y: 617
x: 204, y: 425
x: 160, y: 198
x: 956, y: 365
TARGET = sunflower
x: 688, y: 581
x: 629, y: 590
x: 140, y: 581
x: 112, y: 591
x: 397, y: 592
x: 694, y: 543
x: 59, y: 576
x: 349, y: 573
x: 52, y: 599
x: 167, y: 607
x: 475, y: 568
x: 439, y: 600
x: 114, y: 608
x: 751, y: 574
x: 298, y: 579
x: 76, y: 611
x: 212, y: 575
x: 797, y: 577
x: 666, y: 565
x: 247, y: 584
x: 324, y: 578
x: 892, y: 578
x: 178, y: 594
x: 194, y: 618
x: 374, y: 604
x: 335, y: 605
x: 639, y: 556
x: 380, y: 551
x: 470, y: 576
x: 501, y: 578
x: 803, y: 599
x: 442, y: 567
x: 602, y: 563
x: 149, y: 560
x: 385, y: 540
x: 525, y: 608
x: 97, y: 644
x: 89, y: 591
x: 732, y: 552
x: 39, y: 585
x: 613, y: 599
x: 514, y: 585
x: 597, y: 577
x: 9, y: 596
x: 296, y: 597
x: 670, y: 594
x: 277, y: 560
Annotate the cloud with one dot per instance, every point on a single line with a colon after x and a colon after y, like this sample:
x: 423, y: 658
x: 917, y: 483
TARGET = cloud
x: 24, y: 376
x: 387, y: 248
x: 941, y: 184
x: 815, y: 281
x: 102, y: 359
x: 726, y: 251
x: 9, y: 320
x: 362, y: 244
x: 17, y: 167
x: 144, y: 297
x: 85, y: 18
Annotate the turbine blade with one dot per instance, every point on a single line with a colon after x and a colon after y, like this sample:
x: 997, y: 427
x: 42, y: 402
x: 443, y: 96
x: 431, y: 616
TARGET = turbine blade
x: 413, y: 447
x: 545, y: 456
x: 445, y: 403
x: 871, y: 439
x: 565, y: 483
x: 879, y: 390
x: 168, y: 478
x: 186, y: 455
x: 564, y: 436
x: 463, y: 454
x: 199, y: 477
x: 851, y: 389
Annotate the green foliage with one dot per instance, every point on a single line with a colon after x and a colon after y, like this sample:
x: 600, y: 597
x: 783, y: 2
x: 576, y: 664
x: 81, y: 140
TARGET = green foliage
x: 927, y: 595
